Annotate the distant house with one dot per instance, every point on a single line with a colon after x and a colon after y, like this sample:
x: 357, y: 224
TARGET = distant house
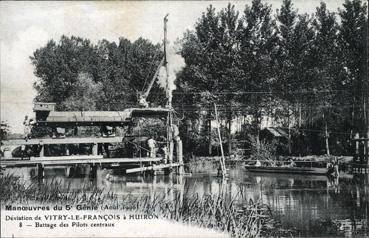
x: 270, y: 133
x: 277, y: 134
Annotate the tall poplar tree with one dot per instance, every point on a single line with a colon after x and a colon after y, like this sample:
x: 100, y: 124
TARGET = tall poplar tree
x: 354, y: 43
x: 210, y: 54
x: 257, y: 60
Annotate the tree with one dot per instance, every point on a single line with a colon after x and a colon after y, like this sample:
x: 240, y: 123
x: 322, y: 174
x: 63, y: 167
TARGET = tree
x: 4, y: 130
x: 326, y: 71
x: 121, y: 71
x: 257, y: 34
x: 229, y: 28
x: 124, y: 70
x: 210, y: 54
x: 286, y: 18
x: 296, y: 73
x: 57, y: 66
x: 86, y: 94
x: 354, y: 43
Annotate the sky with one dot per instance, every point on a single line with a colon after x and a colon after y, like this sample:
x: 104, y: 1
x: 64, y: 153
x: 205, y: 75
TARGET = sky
x: 27, y: 26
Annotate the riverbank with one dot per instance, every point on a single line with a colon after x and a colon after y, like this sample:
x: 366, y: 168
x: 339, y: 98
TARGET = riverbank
x: 98, y: 228
x: 317, y: 158
x: 213, y: 211
x: 204, y: 163
x: 302, y: 206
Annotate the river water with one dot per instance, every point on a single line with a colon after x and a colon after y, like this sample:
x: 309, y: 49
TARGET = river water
x: 306, y: 205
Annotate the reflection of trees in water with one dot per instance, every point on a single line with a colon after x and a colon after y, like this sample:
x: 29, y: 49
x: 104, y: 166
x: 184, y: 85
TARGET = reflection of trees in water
x: 311, y: 205
x: 315, y: 207
x: 353, y: 194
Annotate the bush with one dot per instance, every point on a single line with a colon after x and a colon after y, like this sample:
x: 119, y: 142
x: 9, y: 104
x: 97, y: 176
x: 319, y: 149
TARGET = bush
x: 264, y: 150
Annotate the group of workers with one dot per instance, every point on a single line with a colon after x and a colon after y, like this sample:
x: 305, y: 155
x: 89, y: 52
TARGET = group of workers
x: 333, y: 167
x: 154, y: 146
x: 161, y: 144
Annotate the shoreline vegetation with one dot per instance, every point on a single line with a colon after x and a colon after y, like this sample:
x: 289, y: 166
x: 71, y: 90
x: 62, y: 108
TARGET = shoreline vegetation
x: 204, y: 163
x: 214, y: 212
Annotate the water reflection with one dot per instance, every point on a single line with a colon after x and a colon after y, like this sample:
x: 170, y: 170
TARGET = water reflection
x: 309, y: 205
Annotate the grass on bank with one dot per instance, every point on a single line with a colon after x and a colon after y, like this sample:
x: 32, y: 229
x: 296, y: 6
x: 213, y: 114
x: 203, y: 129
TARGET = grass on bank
x: 209, y: 211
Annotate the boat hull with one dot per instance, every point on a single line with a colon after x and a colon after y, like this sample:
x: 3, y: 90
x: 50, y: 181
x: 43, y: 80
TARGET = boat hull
x: 288, y: 170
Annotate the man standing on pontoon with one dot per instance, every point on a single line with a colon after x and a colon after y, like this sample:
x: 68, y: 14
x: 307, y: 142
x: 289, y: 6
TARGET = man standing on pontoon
x: 152, y: 146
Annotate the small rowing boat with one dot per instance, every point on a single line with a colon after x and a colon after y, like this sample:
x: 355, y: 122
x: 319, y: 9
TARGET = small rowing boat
x: 289, y: 170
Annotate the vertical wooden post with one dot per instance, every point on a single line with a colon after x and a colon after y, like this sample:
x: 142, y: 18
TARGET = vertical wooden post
x: 86, y: 169
x: 171, y: 146
x: 367, y: 149
x: 171, y: 189
x: 366, y: 104
x: 69, y: 171
x: 154, y: 170
x: 93, y: 171
x: 181, y: 190
x: 95, y: 149
x: 40, y: 171
x: 153, y: 190
x: 42, y: 151
x: 168, y: 89
x: 166, y: 156
x: 222, y: 160
x: 209, y: 131
x: 230, y: 132
x: 180, y: 156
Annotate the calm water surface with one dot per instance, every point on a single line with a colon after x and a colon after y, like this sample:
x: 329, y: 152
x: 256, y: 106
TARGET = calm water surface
x: 308, y: 205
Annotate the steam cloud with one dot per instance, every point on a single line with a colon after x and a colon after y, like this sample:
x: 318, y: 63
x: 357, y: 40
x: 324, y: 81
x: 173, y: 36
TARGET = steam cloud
x: 175, y: 64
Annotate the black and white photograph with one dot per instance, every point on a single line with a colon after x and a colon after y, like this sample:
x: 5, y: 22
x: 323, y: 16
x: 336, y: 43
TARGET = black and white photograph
x: 184, y: 119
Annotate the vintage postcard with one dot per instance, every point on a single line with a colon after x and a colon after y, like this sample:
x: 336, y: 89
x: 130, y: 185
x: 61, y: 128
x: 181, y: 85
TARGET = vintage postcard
x: 184, y: 118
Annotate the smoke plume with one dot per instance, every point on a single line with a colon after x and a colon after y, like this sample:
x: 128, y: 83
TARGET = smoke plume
x: 175, y: 64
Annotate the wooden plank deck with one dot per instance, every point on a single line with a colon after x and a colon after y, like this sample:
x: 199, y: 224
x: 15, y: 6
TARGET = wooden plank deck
x: 73, y: 160
x: 152, y: 167
x: 67, y: 140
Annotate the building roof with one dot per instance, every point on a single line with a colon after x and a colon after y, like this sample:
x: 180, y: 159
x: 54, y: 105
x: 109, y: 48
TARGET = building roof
x: 102, y: 117
x: 43, y: 106
x: 277, y: 132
